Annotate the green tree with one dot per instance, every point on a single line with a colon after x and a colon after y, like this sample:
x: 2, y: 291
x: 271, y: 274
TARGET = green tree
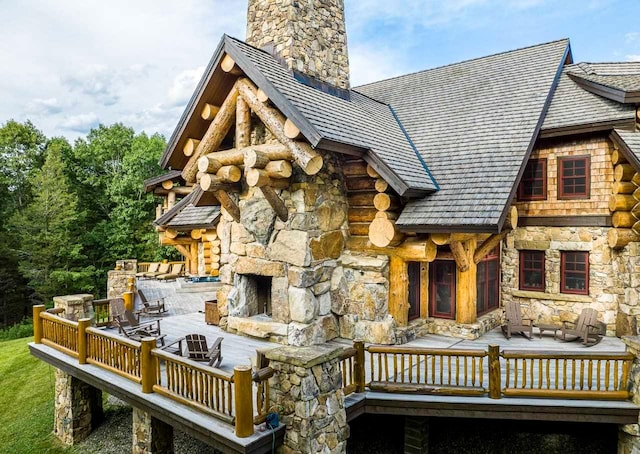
x: 49, y: 252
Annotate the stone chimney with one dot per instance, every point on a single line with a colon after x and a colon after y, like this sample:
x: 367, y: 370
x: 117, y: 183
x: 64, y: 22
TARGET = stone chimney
x: 308, y: 36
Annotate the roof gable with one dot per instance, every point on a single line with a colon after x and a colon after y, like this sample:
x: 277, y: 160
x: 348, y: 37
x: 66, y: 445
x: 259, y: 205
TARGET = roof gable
x: 475, y: 124
x: 619, y: 82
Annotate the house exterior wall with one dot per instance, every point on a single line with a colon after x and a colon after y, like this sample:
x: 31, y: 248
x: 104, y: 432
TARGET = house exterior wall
x: 308, y: 36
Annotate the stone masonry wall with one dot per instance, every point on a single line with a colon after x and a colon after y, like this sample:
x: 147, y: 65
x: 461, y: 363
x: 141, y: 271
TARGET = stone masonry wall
x: 298, y: 255
x: 551, y: 306
x: 599, y: 149
x: 308, y: 35
x: 627, y: 271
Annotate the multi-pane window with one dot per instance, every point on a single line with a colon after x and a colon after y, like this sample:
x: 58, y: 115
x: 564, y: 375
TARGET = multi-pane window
x: 532, y: 270
x: 442, y: 280
x: 488, y: 282
x: 574, y: 275
x: 533, y: 185
x: 573, y: 177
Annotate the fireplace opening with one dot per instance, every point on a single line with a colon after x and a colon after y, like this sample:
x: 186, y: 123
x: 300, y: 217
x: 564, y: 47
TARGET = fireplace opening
x: 263, y: 294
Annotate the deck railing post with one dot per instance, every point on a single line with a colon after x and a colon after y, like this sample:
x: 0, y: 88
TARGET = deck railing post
x: 37, y: 323
x: 243, y: 395
x: 83, y: 324
x: 494, y: 372
x: 148, y: 364
x: 359, y: 366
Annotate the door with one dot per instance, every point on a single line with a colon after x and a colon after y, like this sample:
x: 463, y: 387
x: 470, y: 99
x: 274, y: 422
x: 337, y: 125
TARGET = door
x: 414, y: 289
x: 442, y: 295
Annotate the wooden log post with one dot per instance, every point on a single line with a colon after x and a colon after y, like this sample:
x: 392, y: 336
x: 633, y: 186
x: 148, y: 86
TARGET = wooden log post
x: 441, y: 239
x: 359, y: 367
x: 262, y: 96
x: 147, y: 364
x: 228, y: 203
x: 460, y: 255
x: 171, y: 199
x: 466, y: 292
x: 83, y: 324
x: 215, y: 134
x: 128, y: 300
x: 243, y: 124
x: 494, y: 372
x: 209, y: 111
x: 212, y: 162
x: 190, y: 147
x: 619, y: 238
x: 37, y: 323
x: 291, y: 130
x: 306, y: 157
x: 243, y: 395
x: 171, y: 234
x: 383, y: 233
x: 276, y: 202
x: 398, y: 290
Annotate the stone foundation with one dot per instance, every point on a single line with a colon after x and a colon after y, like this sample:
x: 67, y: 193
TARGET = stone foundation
x: 150, y: 435
x: 77, y: 408
x: 482, y: 326
x: 75, y: 306
x: 606, y: 288
x: 416, y: 435
x: 307, y: 394
x: 117, y: 279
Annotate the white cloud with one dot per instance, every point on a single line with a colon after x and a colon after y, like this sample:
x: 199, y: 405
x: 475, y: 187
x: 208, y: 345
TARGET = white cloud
x: 81, y: 123
x: 633, y: 57
x: 370, y: 64
x: 48, y: 106
x: 183, y: 86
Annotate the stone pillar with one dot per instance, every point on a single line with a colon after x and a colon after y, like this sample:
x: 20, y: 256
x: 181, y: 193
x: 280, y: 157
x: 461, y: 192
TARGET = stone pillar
x: 150, y: 435
x: 117, y: 279
x: 416, y: 435
x: 306, y: 391
x: 629, y: 434
x: 75, y: 306
x: 78, y: 408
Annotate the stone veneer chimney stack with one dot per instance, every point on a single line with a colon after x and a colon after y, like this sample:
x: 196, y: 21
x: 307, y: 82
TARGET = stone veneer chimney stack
x: 309, y: 36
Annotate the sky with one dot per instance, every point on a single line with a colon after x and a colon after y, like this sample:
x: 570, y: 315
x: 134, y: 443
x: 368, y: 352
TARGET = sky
x: 69, y: 65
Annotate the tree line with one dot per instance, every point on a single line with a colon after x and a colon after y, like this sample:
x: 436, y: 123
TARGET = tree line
x: 69, y: 211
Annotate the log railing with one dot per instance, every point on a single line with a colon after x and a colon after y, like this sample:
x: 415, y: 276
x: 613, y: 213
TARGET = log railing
x: 201, y: 387
x: 427, y: 371
x: 58, y: 333
x: 114, y: 353
x: 352, y: 368
x: 567, y: 375
x: 102, y: 312
x: 263, y: 395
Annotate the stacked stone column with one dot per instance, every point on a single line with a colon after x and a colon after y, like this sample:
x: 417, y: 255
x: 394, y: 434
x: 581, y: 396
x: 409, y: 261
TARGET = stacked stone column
x: 306, y: 392
x: 150, y: 435
x: 629, y: 435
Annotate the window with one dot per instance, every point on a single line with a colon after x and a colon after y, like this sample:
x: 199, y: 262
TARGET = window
x: 573, y: 177
x: 442, y: 280
x: 532, y: 270
x: 488, y: 282
x: 415, y: 273
x: 534, y: 181
x: 574, y: 276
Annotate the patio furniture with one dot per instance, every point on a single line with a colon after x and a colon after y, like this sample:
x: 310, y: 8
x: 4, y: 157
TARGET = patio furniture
x: 153, y: 267
x: 587, y: 328
x: 198, y: 350
x: 163, y: 269
x: 152, y: 306
x: 515, y: 323
x: 175, y: 347
x: 542, y: 327
x: 134, y: 329
x: 175, y: 273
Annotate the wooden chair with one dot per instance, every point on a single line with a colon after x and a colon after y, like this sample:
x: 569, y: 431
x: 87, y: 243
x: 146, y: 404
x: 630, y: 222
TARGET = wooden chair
x: 153, y: 267
x: 153, y: 306
x: 116, y: 307
x: 163, y: 269
x: 131, y: 327
x: 587, y: 328
x: 176, y: 272
x: 515, y: 323
x: 198, y: 350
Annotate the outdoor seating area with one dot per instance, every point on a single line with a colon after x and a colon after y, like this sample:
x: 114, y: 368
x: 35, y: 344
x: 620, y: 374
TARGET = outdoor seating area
x: 586, y: 328
x: 164, y: 271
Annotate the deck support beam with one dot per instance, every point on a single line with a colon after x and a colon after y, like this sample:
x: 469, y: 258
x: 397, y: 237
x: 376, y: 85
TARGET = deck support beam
x: 150, y: 435
x: 416, y: 435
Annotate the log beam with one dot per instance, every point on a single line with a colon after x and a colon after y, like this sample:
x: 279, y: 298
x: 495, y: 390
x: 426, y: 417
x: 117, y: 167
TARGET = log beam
x: 372, y: 172
x: 441, y: 238
x: 623, y: 187
x: 384, y: 202
x: 228, y: 65
x: 488, y: 245
x: 623, y: 172
x: 355, y: 168
x: 209, y: 111
x: 619, y: 238
x: 262, y: 96
x: 621, y: 202
x: 276, y: 203
x: 460, y: 255
x: 415, y: 249
x: 215, y: 134
x: 306, y: 157
x: 167, y: 184
x: 228, y: 204
x: 291, y: 130
x: 617, y: 157
x: 243, y: 124
x: 260, y: 155
x: 383, y: 233
x: 257, y: 177
x: 623, y: 219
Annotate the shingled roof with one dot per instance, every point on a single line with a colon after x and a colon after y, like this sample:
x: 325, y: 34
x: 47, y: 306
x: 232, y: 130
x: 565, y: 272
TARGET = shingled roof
x: 616, y: 81
x: 629, y: 142
x: 474, y: 123
x: 574, y: 109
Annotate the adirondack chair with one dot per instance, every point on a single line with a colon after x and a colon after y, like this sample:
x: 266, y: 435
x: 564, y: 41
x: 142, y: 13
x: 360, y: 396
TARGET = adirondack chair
x: 163, y: 269
x: 587, y: 328
x: 153, y: 306
x: 515, y: 323
x: 153, y: 267
x: 175, y: 273
x: 131, y: 327
x: 198, y: 350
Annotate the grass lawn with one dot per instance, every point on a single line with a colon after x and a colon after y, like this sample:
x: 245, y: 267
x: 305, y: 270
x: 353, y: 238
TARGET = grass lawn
x: 26, y: 401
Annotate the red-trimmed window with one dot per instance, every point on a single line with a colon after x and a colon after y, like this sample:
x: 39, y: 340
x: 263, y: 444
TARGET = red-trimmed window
x: 488, y: 282
x: 533, y: 185
x: 442, y: 283
x: 574, y: 177
x: 574, y: 272
x: 532, y: 270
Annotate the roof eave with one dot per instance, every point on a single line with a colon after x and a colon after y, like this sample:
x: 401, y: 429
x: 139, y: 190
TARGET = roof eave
x: 586, y: 128
x: 449, y: 228
x: 611, y: 93
x: 626, y: 151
